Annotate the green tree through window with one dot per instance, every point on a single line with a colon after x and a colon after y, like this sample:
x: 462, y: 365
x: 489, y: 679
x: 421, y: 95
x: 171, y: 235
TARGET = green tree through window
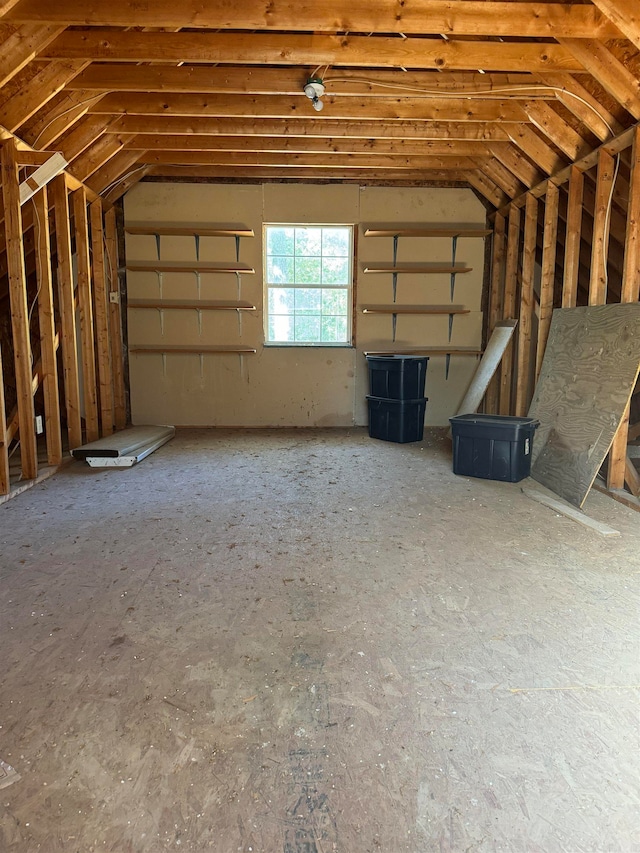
x: 308, y: 284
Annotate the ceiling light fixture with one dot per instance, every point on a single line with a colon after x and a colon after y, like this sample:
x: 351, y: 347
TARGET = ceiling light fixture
x: 314, y: 90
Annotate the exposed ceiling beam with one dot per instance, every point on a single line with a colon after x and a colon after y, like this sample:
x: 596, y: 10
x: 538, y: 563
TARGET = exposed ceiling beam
x: 53, y: 77
x: 119, y: 188
x: 625, y: 14
x: 83, y: 134
x: 21, y: 44
x: 612, y: 75
x: 370, y: 175
x: 563, y: 136
x: 224, y: 79
x: 578, y: 100
x: 60, y: 115
x: 309, y: 127
x: 118, y: 168
x: 307, y: 160
x: 527, y: 19
x: 525, y: 138
x: 502, y: 177
x: 312, y: 50
x: 514, y: 160
x: 299, y: 145
x: 487, y: 188
x: 96, y: 156
x: 275, y: 106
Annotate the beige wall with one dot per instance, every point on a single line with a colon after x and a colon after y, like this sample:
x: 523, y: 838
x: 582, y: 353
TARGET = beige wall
x: 285, y: 386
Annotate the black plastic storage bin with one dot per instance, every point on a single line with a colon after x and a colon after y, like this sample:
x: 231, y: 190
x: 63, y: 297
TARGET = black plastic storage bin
x: 397, y: 377
x: 492, y: 447
x: 401, y: 421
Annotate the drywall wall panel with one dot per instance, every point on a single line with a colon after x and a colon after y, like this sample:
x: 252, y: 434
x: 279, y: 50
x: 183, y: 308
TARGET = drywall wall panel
x: 289, y: 386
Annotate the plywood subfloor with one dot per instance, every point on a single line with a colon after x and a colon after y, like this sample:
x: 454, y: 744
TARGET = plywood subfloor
x: 303, y: 642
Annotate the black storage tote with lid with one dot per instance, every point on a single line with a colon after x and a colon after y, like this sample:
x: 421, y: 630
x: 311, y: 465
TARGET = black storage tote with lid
x: 397, y: 377
x: 492, y: 447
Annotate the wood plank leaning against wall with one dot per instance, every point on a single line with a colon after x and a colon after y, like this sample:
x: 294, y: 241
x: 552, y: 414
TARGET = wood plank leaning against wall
x: 513, y: 294
x: 69, y: 417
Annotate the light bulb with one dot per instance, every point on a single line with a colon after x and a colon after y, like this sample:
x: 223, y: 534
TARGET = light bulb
x: 318, y: 105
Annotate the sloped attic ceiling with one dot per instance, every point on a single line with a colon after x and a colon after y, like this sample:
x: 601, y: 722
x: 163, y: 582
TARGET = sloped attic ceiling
x: 499, y: 95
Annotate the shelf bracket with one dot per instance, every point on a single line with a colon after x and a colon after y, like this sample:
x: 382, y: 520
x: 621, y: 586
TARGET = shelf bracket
x: 451, y: 316
x: 199, y: 313
x: 394, y: 323
x: 447, y: 364
x: 157, y: 236
x: 196, y: 237
x: 164, y: 365
x: 394, y: 276
x: 237, y: 248
x: 201, y: 366
x: 454, y: 246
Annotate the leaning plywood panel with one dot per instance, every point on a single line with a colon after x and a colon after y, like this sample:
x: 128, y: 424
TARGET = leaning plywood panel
x: 590, y: 368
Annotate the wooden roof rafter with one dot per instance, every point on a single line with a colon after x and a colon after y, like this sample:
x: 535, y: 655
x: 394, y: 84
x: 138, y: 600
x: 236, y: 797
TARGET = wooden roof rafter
x: 514, y: 90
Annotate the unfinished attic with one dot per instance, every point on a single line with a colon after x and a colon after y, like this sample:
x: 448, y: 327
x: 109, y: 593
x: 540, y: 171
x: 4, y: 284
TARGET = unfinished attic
x: 278, y: 632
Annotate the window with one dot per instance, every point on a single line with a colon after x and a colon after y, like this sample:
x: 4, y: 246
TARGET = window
x: 308, y: 271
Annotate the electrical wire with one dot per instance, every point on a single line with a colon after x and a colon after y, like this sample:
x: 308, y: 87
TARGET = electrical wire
x: 35, y: 298
x: 64, y: 113
x: 476, y: 93
x: 607, y: 222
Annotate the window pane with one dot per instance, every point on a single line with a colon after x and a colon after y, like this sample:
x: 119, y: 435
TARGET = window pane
x: 281, y: 328
x: 281, y: 300
x: 280, y: 241
x: 335, y: 241
x: 309, y: 241
x: 279, y: 270
x: 330, y: 330
x: 334, y: 301
x: 307, y: 329
x: 308, y: 277
x: 335, y: 271
x: 308, y: 300
x: 308, y: 270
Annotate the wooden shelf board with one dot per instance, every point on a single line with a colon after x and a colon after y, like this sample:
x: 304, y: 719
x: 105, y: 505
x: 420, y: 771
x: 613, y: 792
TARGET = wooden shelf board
x: 418, y: 268
x: 179, y: 266
x: 426, y: 232
x: 414, y: 309
x: 198, y: 304
x: 185, y: 230
x: 159, y: 348
x: 427, y: 351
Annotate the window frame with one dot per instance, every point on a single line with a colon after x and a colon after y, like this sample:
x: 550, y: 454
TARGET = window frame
x: 349, y: 287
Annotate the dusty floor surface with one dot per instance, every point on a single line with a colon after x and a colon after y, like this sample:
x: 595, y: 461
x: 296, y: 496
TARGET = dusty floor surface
x: 303, y: 642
